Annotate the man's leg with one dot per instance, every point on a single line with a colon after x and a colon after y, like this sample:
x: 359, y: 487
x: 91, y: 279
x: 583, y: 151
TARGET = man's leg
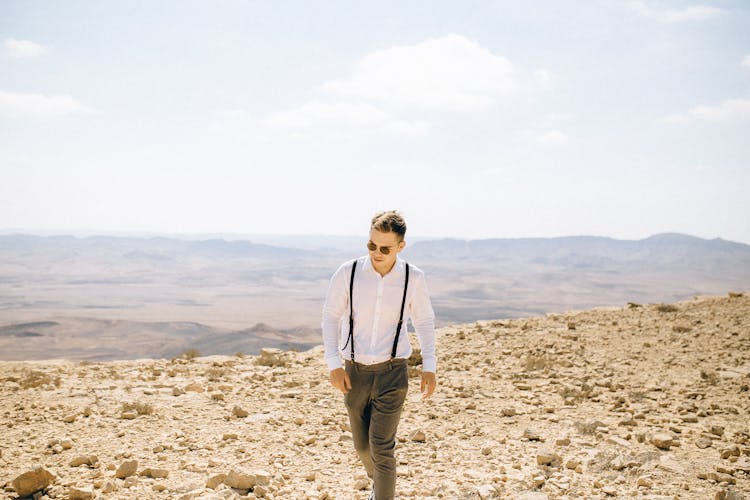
x: 390, y: 393
x: 358, y: 406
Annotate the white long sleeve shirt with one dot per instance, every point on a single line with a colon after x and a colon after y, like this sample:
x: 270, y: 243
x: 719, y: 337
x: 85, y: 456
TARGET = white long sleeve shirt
x: 377, y: 304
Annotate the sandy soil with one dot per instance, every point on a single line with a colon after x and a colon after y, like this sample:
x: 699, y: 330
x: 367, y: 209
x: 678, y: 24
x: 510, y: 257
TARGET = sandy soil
x: 644, y: 401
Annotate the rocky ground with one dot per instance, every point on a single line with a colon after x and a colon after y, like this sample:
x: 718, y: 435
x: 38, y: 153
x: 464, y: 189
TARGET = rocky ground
x: 644, y: 401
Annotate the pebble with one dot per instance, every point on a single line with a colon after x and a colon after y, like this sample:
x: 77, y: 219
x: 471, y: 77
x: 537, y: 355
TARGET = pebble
x: 418, y: 436
x: 155, y: 473
x: 194, y: 387
x: 214, y: 481
x: 240, y: 480
x: 731, y: 451
x: 109, y: 487
x: 130, y: 482
x: 702, y: 443
x: 619, y: 441
x: 89, y: 460
x: 126, y: 469
x: 76, y: 493
x: 546, y: 456
x: 644, y: 481
x: 609, y: 490
x: 532, y: 435
x: 662, y: 440
x: 239, y: 412
x: 362, y: 484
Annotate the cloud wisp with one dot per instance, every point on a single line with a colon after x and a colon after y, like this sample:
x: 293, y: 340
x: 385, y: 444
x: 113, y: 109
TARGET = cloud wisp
x: 691, y: 13
x: 21, y: 49
x: 332, y: 114
x: 18, y: 105
x: 553, y: 138
x: 731, y: 109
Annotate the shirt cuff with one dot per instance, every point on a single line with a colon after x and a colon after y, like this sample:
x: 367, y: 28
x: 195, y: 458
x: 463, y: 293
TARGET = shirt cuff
x: 334, y: 362
x: 429, y: 365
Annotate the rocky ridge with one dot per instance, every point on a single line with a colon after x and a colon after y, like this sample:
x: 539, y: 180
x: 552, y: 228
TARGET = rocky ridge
x: 644, y: 401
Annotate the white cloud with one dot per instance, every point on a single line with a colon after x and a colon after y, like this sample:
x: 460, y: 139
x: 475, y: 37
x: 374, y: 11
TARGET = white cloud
x: 543, y: 76
x: 450, y: 73
x: 690, y: 13
x: 746, y: 61
x: 21, y: 49
x: 731, y: 109
x: 16, y: 105
x: 553, y: 138
x: 334, y: 114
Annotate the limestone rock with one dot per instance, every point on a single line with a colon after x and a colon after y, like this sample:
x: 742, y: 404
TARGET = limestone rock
x: 240, y: 480
x: 702, y: 443
x: 109, y: 487
x: 239, y: 412
x: 262, y: 477
x: 89, y: 460
x: 126, y: 469
x: 532, y: 435
x: 215, y: 480
x: 32, y: 481
x: 729, y: 494
x: 731, y: 451
x: 76, y: 493
x: 194, y: 387
x: 546, y: 456
x: 418, y: 436
x: 662, y: 440
x: 155, y: 473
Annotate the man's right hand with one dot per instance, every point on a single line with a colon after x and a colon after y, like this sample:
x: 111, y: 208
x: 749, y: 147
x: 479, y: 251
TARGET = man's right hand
x: 340, y: 380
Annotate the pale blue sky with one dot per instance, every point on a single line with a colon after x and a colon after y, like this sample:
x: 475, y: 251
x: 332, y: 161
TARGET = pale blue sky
x: 475, y: 119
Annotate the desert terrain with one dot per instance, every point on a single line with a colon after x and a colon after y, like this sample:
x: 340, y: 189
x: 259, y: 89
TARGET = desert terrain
x: 640, y: 401
x: 112, y: 298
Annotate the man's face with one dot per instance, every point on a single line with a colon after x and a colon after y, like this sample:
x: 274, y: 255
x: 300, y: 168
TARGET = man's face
x: 381, y: 261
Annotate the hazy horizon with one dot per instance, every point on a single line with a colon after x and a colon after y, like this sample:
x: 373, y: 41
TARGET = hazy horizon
x: 265, y: 237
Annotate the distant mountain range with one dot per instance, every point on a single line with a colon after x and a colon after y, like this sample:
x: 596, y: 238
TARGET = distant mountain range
x: 78, y: 291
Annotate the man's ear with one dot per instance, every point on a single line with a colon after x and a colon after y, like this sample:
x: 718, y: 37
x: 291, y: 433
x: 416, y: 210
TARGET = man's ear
x: 401, y: 245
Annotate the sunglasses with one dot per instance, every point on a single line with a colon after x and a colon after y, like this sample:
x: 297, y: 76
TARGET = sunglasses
x: 372, y: 247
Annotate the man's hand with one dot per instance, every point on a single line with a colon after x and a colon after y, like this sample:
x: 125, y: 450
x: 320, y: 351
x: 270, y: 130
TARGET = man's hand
x: 340, y: 380
x: 428, y: 384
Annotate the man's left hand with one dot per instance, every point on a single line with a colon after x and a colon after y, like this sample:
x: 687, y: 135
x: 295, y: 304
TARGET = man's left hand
x: 428, y: 384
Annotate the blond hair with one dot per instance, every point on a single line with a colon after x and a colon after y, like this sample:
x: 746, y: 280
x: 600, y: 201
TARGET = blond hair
x: 389, y: 222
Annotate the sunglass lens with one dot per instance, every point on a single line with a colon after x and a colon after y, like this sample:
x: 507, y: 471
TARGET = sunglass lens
x: 372, y: 247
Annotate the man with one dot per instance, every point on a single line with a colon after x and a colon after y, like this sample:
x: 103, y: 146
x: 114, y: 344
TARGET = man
x: 369, y: 301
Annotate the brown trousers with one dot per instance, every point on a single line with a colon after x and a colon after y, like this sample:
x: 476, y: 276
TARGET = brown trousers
x: 374, y: 405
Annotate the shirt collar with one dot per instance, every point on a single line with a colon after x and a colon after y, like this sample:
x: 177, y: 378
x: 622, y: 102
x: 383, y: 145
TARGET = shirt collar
x: 398, y: 267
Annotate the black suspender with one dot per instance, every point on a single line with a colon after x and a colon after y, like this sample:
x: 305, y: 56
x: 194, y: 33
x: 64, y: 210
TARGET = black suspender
x: 401, y: 316
x: 350, y: 337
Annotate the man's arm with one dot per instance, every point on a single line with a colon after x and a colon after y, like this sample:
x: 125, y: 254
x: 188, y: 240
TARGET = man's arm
x: 423, y: 319
x: 337, y: 300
